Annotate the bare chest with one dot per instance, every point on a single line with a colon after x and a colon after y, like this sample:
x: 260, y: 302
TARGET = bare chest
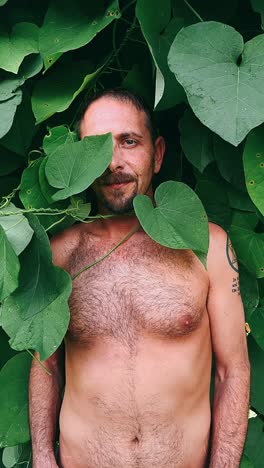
x: 140, y: 288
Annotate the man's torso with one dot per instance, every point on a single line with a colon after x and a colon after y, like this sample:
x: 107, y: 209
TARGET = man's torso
x: 138, y: 358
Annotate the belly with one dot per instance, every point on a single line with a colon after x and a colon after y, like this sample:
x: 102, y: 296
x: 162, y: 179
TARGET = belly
x: 149, y: 409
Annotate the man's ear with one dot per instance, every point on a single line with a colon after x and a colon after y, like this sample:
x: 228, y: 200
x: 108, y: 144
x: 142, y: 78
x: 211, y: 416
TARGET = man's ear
x: 159, y: 153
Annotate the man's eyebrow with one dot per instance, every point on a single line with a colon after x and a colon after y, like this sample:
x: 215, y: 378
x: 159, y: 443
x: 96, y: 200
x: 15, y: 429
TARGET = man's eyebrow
x: 129, y: 134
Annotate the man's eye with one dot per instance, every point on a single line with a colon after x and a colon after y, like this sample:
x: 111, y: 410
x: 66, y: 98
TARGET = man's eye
x: 130, y: 142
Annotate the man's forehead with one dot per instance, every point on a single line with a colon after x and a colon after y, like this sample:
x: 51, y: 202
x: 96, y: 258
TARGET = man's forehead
x: 112, y: 115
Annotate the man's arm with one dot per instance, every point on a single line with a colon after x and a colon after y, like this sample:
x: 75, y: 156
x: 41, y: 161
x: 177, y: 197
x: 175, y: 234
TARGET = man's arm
x: 44, y: 404
x: 232, y: 377
x: 45, y: 390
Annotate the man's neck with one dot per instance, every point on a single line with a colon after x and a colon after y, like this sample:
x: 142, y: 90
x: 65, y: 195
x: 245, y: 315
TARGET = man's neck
x: 118, y: 226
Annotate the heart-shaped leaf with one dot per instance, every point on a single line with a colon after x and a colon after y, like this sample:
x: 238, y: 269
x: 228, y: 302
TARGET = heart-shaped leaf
x: 227, y: 96
x: 178, y: 221
x: 254, y: 167
x: 22, y: 41
x: 74, y: 166
x: 9, y: 267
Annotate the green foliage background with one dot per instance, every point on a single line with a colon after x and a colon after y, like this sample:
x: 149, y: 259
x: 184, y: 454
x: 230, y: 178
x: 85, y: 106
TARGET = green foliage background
x: 200, y: 66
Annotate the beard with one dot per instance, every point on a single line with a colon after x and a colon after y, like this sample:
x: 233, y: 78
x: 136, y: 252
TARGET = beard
x: 117, y: 201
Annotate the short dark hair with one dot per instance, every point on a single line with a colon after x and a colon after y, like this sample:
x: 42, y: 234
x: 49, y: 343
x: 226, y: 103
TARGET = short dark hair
x: 123, y: 95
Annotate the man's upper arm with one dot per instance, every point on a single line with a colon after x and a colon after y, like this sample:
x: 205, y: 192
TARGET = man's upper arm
x: 225, y: 308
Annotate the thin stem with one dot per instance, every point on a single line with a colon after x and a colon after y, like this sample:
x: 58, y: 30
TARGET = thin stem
x: 193, y: 10
x: 56, y: 222
x: 39, y: 362
x: 107, y: 253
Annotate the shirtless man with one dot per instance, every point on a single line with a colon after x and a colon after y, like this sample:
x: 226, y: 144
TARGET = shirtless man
x: 144, y: 323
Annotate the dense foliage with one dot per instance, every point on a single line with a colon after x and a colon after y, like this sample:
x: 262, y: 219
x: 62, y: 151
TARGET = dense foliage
x: 200, y: 66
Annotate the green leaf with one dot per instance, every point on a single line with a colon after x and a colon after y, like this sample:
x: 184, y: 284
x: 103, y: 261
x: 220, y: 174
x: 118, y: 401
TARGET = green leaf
x: 246, y: 463
x: 9, y: 267
x: 256, y: 356
x: 254, y: 447
x: 19, y: 137
x: 57, y: 136
x: 178, y: 221
x: 239, y: 200
x: 3, y: 2
x: 7, y: 112
x: 249, y: 246
x: 198, y: 148
x: 83, y: 162
x: 68, y: 26
x: 14, y: 46
x: 17, y: 455
x: 254, y: 167
x: 16, y: 227
x: 226, y: 97
x: 58, y: 89
x: 14, y: 376
x: 36, y: 315
x: 168, y: 91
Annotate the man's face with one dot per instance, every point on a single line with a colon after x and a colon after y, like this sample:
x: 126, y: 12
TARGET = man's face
x: 135, y: 158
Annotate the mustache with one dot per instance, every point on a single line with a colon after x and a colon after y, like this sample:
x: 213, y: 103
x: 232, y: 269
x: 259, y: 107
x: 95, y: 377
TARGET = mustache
x: 117, y: 179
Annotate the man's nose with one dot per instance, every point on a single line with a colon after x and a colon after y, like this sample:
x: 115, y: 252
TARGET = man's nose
x: 117, y: 162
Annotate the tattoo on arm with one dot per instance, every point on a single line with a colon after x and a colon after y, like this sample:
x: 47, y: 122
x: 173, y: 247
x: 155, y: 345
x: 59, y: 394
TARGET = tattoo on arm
x: 235, y: 285
x: 231, y: 256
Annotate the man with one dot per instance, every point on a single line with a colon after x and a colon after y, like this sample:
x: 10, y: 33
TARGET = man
x: 144, y: 322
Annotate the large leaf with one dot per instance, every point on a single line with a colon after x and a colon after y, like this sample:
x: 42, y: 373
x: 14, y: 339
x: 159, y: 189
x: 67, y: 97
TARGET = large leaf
x: 254, y: 166
x: 30, y: 193
x: 68, y: 26
x: 14, y: 376
x: 258, y: 6
x: 178, y: 221
x: 196, y: 141
x: 14, y: 46
x: 36, y: 315
x: 256, y: 356
x: 168, y: 91
x: 7, y: 112
x: 227, y: 97
x: 57, y: 90
x: 257, y: 326
x: 9, y: 267
x: 74, y: 166
x: 16, y: 227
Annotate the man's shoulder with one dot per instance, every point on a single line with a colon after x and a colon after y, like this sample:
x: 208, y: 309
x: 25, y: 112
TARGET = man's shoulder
x: 217, y: 235
x: 63, y: 244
